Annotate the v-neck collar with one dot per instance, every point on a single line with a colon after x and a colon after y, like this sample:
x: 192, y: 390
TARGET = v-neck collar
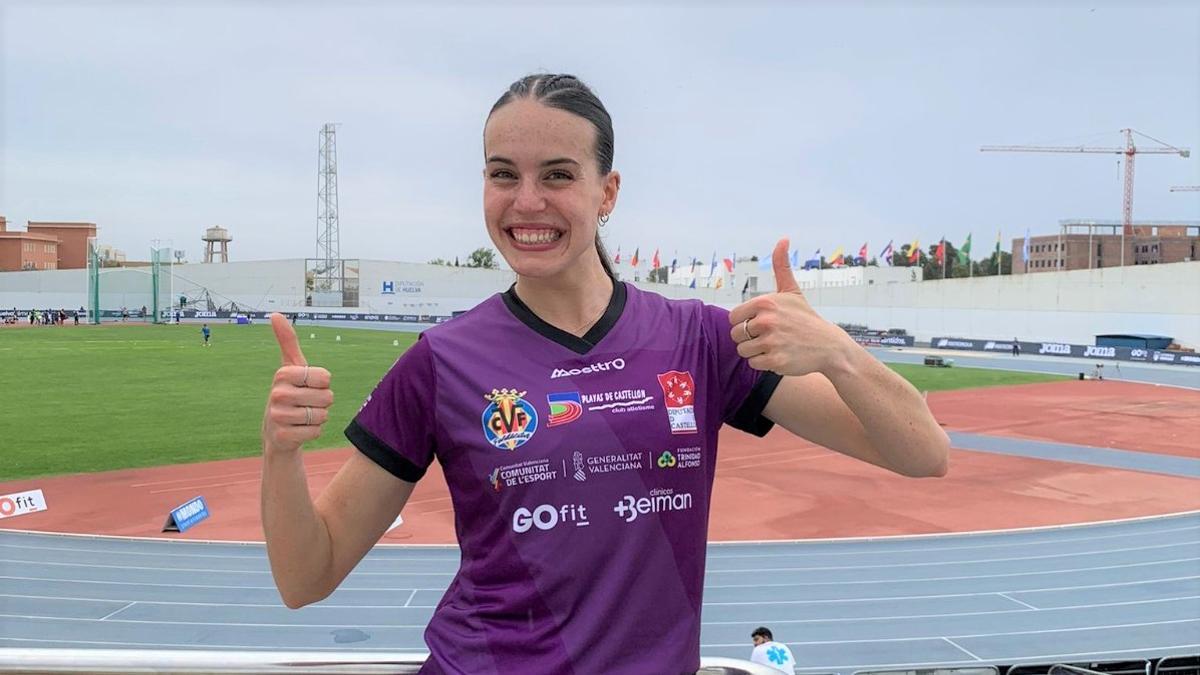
x: 579, y: 345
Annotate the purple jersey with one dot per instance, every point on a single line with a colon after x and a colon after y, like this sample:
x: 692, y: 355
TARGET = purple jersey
x: 580, y: 470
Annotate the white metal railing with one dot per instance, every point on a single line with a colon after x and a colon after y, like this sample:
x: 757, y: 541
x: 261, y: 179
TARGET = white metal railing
x: 44, y: 661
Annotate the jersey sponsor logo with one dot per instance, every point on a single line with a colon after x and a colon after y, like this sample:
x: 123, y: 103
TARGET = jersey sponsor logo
x: 617, y: 462
x: 565, y: 408
x: 682, y: 458
x: 509, y: 421
x: 522, y: 473
x: 548, y: 517
x: 618, y: 402
x: 679, y: 394
x: 615, y: 364
x: 660, y: 500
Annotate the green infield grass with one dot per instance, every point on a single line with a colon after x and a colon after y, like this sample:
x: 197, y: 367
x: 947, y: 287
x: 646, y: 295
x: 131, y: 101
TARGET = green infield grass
x: 96, y: 398
x: 926, y: 378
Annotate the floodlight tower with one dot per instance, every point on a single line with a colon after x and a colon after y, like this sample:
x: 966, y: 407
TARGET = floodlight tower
x: 328, y: 237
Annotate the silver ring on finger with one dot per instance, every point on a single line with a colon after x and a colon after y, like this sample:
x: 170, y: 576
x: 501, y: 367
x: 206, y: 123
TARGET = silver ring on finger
x: 307, y: 415
x: 746, y: 329
x: 304, y: 381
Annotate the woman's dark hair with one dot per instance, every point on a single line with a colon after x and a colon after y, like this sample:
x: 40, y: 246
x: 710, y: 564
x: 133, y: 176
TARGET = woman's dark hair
x: 568, y: 93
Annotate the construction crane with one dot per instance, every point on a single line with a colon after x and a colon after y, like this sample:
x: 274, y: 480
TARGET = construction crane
x: 1185, y: 188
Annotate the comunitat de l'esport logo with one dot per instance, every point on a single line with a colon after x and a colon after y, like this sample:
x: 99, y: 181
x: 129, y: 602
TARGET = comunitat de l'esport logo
x: 509, y: 421
x: 660, y: 500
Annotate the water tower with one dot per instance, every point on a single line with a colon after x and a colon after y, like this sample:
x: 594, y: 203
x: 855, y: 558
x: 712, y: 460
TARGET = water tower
x: 216, y: 240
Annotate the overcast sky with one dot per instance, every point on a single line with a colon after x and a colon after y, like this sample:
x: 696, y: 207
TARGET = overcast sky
x: 735, y: 124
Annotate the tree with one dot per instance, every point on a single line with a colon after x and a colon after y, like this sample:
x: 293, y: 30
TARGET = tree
x: 483, y: 257
x: 440, y: 261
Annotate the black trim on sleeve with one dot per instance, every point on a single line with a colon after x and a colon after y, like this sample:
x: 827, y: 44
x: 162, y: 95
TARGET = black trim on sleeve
x: 382, y: 455
x: 749, y: 417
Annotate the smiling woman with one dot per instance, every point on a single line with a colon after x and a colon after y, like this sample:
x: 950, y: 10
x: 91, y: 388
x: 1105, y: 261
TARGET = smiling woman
x: 575, y: 419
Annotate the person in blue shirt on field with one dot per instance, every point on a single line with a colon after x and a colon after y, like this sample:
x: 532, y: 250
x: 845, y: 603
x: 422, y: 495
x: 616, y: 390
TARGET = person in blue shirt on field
x: 204, y: 330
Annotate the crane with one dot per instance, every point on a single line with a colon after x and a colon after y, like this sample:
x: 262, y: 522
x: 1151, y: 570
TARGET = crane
x: 1130, y: 150
x: 1185, y: 188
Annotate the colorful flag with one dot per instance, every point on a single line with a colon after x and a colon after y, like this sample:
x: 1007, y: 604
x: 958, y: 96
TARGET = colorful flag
x: 795, y: 259
x: 728, y: 265
x: 914, y: 253
x: 813, y: 262
x: 939, y: 253
x: 673, y: 261
x: 694, y: 261
x: 1025, y: 248
x: 837, y: 259
x: 693, y: 284
x: 634, y: 260
x: 617, y: 260
x: 655, y: 260
x: 964, y: 253
x: 862, y: 254
x: 713, y: 270
x: 720, y: 282
x: 887, y: 254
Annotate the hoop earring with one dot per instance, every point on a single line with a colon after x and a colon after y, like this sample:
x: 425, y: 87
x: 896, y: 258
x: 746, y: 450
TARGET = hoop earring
x: 603, y: 219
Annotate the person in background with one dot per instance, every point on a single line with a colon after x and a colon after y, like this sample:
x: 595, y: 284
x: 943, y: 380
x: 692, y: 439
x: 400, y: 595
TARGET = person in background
x: 1016, y: 349
x: 206, y: 332
x: 768, y: 652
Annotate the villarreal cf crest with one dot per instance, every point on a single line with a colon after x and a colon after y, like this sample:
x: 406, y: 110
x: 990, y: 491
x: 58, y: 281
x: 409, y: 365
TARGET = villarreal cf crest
x: 509, y: 420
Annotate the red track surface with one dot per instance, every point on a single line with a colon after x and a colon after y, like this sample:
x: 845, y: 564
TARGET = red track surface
x: 1104, y: 414
x: 779, y: 487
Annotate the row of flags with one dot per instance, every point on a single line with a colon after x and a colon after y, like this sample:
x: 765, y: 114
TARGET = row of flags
x: 837, y: 259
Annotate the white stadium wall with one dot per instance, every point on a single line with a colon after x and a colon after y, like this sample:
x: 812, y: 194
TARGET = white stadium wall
x: 1070, y: 307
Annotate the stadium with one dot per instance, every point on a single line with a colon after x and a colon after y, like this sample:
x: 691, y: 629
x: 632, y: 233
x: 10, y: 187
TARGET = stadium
x: 140, y: 477
x: 1077, y: 547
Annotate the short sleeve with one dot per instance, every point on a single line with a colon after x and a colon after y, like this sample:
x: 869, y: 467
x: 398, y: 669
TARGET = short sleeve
x: 396, y: 426
x: 744, y: 391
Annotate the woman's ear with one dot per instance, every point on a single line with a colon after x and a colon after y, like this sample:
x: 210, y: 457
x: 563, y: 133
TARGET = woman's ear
x: 612, y: 186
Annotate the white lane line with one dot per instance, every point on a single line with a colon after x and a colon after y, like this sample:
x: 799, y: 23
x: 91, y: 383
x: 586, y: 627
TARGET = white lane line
x: 1007, y: 597
x: 1010, y: 533
x: 972, y: 561
x: 410, y: 598
x: 155, y: 644
x: 949, y: 595
x: 109, y: 615
x: 961, y: 578
x: 1040, y: 631
x: 863, y: 619
x: 937, y: 665
x: 326, y: 606
x: 209, y: 569
x: 258, y: 555
x: 716, y: 546
x: 961, y: 648
x: 706, y: 604
x: 219, y: 623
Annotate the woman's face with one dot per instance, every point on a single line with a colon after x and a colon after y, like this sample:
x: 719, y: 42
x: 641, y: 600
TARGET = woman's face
x: 542, y: 190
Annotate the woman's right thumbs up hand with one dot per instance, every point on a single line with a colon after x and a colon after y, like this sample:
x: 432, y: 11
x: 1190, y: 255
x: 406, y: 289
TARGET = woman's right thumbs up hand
x: 300, y: 397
